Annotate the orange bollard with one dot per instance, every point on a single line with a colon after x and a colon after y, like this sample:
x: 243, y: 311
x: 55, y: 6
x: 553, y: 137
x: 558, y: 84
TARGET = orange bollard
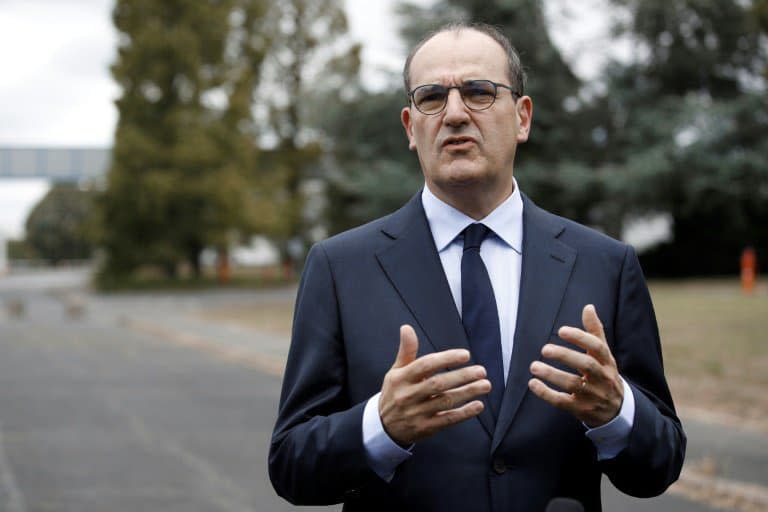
x: 748, y: 270
x: 223, y: 268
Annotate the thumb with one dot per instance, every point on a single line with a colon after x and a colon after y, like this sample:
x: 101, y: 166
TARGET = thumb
x: 591, y: 321
x: 409, y: 346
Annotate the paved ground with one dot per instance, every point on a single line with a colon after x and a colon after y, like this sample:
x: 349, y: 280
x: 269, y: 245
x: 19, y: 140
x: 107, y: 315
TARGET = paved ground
x: 131, y: 402
x: 95, y: 416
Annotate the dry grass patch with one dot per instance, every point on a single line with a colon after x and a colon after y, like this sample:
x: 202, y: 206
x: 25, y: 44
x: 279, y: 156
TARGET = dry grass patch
x: 272, y: 317
x: 715, y: 350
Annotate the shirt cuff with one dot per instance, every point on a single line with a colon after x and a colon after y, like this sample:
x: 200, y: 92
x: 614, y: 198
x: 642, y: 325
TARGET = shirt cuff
x: 381, y: 452
x: 611, y: 438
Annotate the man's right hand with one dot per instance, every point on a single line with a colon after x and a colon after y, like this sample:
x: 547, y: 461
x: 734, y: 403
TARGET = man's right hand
x: 418, y: 400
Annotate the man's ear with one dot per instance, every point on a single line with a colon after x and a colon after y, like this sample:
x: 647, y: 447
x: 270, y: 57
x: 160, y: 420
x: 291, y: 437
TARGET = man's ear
x: 405, y: 118
x: 524, y: 112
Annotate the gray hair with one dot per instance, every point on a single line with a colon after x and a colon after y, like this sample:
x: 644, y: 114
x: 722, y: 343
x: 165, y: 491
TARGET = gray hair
x: 517, y: 76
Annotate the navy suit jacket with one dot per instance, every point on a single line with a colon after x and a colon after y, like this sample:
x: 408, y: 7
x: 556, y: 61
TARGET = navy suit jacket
x: 360, y: 286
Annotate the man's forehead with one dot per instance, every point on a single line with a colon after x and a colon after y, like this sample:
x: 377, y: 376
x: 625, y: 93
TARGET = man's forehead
x: 463, y: 49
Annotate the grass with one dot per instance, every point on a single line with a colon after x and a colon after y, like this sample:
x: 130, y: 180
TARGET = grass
x: 273, y: 317
x: 715, y: 351
x: 150, y: 279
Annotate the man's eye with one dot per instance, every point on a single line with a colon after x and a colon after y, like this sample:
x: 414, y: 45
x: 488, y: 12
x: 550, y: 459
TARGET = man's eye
x: 428, y: 96
x: 477, y: 91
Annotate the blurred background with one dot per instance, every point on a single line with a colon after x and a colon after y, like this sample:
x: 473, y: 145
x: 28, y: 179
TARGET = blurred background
x: 165, y: 166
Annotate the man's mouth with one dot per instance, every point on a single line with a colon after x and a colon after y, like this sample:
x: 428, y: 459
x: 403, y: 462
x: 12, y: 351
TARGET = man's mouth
x: 458, y: 142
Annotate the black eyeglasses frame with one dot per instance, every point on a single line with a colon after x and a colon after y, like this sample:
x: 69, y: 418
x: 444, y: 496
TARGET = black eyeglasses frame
x: 448, y: 88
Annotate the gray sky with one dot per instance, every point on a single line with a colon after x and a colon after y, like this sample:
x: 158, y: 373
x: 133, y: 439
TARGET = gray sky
x: 56, y: 90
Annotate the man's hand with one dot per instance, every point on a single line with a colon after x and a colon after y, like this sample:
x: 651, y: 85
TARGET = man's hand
x: 416, y: 401
x: 595, y: 396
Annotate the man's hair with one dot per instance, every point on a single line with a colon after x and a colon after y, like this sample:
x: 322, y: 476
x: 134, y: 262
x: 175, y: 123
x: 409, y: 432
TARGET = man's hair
x: 517, y: 76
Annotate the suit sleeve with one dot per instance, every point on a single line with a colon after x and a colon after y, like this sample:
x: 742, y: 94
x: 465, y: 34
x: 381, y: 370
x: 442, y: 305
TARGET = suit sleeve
x: 654, y: 456
x: 317, y: 455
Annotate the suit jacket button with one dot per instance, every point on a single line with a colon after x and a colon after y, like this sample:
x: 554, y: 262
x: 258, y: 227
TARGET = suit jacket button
x: 499, y: 467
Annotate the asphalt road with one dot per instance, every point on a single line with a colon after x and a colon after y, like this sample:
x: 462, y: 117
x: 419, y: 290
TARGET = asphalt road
x: 132, y: 403
x: 97, y: 417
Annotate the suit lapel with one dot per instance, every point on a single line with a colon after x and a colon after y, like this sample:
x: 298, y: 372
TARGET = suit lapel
x: 546, y: 269
x: 413, y: 266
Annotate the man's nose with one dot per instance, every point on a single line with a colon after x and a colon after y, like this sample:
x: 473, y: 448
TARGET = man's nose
x: 456, y: 112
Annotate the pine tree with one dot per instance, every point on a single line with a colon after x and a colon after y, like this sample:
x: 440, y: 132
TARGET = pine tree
x: 58, y: 227
x: 687, y: 129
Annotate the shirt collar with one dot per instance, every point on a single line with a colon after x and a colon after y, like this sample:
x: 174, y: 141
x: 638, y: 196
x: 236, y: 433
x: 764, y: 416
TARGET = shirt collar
x: 446, y: 222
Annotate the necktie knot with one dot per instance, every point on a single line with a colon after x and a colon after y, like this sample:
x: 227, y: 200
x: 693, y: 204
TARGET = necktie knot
x: 474, y: 234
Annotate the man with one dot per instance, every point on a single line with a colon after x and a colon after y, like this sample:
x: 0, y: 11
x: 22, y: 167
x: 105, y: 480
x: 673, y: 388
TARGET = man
x: 506, y: 389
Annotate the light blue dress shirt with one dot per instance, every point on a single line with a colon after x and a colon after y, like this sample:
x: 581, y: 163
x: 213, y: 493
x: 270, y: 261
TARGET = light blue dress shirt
x: 502, y: 254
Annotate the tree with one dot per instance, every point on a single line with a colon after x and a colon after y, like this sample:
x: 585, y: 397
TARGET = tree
x: 310, y: 65
x: 57, y: 228
x: 181, y: 176
x: 685, y: 130
x: 372, y: 172
x: 557, y: 167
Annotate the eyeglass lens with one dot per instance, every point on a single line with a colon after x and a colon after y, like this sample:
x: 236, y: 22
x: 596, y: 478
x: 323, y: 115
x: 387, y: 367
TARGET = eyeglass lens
x: 476, y: 95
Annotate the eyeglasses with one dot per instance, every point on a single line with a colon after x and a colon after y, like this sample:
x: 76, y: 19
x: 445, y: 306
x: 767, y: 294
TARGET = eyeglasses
x: 477, y: 95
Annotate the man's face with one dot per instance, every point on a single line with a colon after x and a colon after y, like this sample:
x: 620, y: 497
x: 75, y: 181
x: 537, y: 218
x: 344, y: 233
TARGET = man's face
x: 462, y: 151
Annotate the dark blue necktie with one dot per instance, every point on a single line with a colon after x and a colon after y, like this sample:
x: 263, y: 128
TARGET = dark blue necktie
x: 480, y: 315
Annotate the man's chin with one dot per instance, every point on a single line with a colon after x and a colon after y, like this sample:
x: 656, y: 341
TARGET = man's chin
x: 464, y: 176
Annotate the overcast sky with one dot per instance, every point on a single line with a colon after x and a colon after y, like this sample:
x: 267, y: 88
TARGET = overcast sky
x: 56, y: 90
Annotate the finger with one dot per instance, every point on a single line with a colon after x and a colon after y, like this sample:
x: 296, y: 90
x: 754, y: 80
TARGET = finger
x: 557, y: 398
x: 409, y: 347
x: 450, y: 417
x: 426, y: 366
x: 441, y: 382
x: 594, y: 326
x: 566, y: 381
x: 591, y: 321
x: 594, y: 345
x: 452, y: 398
x: 579, y: 361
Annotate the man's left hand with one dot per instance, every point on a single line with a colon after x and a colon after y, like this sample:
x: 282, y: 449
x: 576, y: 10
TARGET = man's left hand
x: 595, y: 394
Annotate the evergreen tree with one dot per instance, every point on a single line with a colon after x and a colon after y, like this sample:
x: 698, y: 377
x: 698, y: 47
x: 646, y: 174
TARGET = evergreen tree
x: 555, y: 166
x: 180, y: 173
x: 58, y: 227
x: 372, y: 172
x: 687, y: 130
